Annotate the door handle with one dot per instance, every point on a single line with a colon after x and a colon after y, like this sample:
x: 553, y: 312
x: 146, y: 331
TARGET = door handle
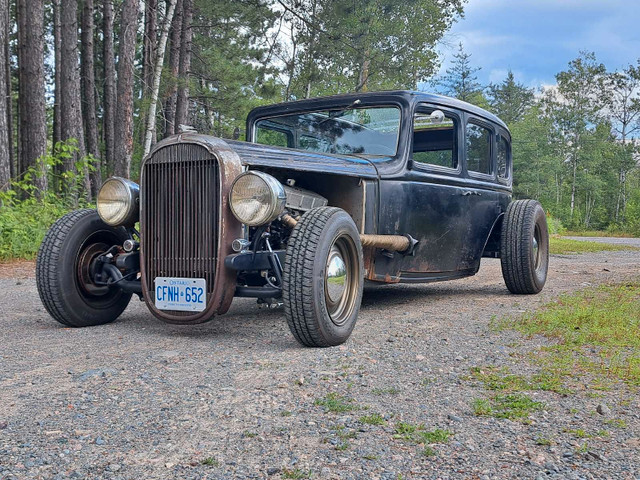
x: 466, y: 193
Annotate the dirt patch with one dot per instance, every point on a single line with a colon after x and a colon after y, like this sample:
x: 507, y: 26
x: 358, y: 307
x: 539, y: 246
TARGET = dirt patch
x: 18, y: 269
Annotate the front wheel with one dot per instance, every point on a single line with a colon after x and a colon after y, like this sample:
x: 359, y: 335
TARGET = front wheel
x: 323, y: 278
x: 64, y: 270
x: 524, y: 247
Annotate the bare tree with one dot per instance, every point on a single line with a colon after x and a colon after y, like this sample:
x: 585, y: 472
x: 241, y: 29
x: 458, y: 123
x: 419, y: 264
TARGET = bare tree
x: 89, y: 116
x: 124, y: 108
x: 5, y: 159
x: 182, y: 100
x: 149, y: 44
x: 109, y: 90
x: 70, y: 99
x: 174, y: 66
x: 33, y: 126
x: 162, y: 44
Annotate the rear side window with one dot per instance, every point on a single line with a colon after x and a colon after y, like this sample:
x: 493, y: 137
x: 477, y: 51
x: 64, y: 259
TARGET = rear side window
x: 503, y: 157
x: 434, y: 139
x: 478, y: 145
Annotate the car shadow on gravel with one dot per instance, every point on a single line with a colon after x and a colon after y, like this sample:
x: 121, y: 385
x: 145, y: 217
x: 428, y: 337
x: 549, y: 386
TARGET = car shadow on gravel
x: 402, y: 294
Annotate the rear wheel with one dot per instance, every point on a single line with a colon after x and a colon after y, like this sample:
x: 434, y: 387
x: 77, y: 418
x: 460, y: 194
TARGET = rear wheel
x: 323, y: 278
x: 524, y: 247
x: 65, y: 270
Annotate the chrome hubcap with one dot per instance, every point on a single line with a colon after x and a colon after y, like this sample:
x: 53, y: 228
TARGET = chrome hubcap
x: 341, y: 283
x: 336, y: 276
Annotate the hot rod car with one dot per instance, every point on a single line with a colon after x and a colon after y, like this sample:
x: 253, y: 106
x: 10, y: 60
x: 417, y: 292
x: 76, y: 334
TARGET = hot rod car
x: 327, y: 194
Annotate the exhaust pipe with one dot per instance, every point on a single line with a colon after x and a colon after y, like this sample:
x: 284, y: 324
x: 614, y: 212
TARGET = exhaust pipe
x: 404, y: 244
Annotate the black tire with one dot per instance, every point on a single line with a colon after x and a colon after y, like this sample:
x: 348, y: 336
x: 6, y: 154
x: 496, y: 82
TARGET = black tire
x: 62, y: 268
x: 314, y: 317
x: 524, y: 247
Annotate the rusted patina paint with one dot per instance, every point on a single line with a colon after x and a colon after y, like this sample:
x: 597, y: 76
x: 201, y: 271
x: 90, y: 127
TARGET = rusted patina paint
x: 229, y: 228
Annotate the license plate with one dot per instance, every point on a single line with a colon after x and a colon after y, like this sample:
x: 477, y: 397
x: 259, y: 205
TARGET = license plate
x: 183, y: 294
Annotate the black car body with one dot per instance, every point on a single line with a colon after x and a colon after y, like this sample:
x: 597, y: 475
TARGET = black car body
x: 385, y: 187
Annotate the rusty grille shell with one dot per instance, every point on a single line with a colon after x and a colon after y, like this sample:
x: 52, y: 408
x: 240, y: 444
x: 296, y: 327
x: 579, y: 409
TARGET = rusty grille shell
x: 186, y: 226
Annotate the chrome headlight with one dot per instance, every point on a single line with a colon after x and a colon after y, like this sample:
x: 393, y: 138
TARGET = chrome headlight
x: 256, y: 198
x: 118, y: 202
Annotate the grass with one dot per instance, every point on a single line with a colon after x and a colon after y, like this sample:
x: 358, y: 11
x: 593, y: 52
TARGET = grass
x: 596, y: 333
x: 501, y: 379
x: 544, y: 441
x: 373, y: 419
x: 558, y: 245
x: 385, y: 391
x: 418, y: 434
x: 597, y: 233
x: 514, y: 406
x: 210, y: 462
x: 295, y: 473
x: 335, y: 403
x: 428, y: 451
x: 616, y: 422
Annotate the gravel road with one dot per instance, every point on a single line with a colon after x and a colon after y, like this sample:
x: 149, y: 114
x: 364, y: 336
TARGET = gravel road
x: 237, y: 398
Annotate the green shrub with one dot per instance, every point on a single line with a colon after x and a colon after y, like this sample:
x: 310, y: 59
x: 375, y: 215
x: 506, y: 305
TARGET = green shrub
x: 27, y: 213
x: 555, y: 225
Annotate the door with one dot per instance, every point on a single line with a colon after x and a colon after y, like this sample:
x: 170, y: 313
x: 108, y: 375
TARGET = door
x: 430, y: 202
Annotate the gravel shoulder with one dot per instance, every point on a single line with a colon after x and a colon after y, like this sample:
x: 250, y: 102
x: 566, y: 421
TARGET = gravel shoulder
x: 238, y: 398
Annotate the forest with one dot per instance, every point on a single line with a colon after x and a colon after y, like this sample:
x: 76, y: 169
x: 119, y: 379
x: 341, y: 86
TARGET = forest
x: 88, y: 86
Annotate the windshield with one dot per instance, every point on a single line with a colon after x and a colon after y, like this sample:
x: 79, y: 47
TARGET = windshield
x: 366, y: 131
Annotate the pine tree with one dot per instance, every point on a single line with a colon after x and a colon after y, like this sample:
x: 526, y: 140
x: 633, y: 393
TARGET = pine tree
x: 510, y: 100
x: 5, y: 159
x: 31, y: 101
x: 460, y: 79
x: 90, y: 118
x: 123, y: 133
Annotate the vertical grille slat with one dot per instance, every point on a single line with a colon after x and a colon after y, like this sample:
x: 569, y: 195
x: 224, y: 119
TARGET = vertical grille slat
x: 179, y: 218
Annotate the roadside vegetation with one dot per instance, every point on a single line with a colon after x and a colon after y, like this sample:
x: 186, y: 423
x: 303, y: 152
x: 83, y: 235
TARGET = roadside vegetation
x: 594, y: 344
x: 594, y: 341
x: 26, y: 212
x: 559, y: 245
x: 595, y: 334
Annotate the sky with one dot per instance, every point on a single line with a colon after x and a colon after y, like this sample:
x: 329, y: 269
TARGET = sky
x: 537, y: 38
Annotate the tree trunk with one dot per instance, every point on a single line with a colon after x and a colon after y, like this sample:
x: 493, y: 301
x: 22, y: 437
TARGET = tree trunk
x: 151, y: 117
x: 57, y: 133
x: 7, y: 55
x: 174, y: 66
x: 109, y: 101
x: 149, y: 42
x: 70, y: 99
x: 56, y: 73
x: 5, y: 160
x: 89, y: 96
x: 124, y: 109
x: 33, y: 124
x: 363, y: 75
x: 182, y: 100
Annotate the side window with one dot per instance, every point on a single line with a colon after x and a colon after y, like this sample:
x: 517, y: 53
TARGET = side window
x: 271, y: 136
x: 478, y: 144
x: 434, y: 139
x: 503, y: 155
